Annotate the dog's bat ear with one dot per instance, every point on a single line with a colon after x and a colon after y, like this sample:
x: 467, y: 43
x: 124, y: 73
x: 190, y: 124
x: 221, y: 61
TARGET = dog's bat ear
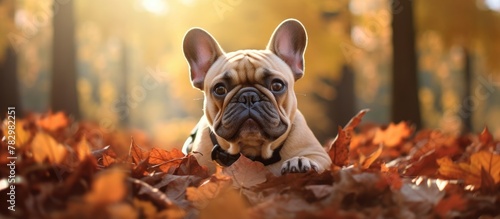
x: 289, y: 42
x: 201, y: 51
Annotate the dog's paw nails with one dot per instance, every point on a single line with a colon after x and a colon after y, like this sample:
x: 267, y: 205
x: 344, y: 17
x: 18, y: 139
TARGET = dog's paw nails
x: 298, y: 165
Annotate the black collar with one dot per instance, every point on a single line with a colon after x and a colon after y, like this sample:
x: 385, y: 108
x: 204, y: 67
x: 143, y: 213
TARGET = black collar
x: 223, y: 158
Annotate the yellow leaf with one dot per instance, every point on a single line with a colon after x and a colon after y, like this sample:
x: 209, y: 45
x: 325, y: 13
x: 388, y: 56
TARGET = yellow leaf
x: 229, y: 204
x: 44, y: 147
x: 82, y: 149
x: 366, y: 162
x: 108, y: 187
x: 21, y: 135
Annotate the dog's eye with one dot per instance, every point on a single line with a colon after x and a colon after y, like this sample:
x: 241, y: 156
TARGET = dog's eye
x: 277, y: 86
x: 220, y: 90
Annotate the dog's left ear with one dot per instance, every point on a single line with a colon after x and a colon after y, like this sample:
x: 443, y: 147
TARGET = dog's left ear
x: 289, y: 42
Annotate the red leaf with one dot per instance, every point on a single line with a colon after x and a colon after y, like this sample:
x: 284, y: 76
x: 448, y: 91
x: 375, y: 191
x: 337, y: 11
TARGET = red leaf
x: 339, y: 149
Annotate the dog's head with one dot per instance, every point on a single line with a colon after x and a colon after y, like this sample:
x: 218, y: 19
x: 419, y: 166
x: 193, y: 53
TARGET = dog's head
x: 249, y: 97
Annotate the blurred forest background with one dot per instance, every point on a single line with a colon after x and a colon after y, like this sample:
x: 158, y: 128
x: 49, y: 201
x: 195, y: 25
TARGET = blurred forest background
x: 120, y: 64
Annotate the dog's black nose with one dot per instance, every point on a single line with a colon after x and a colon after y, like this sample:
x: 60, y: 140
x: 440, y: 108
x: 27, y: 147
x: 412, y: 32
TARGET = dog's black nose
x: 249, y: 98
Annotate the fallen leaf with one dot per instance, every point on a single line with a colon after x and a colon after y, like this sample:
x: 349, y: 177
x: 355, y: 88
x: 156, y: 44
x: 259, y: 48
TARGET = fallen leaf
x: 175, y: 187
x: 190, y: 166
x: 44, y: 147
x: 122, y: 211
x: 366, y: 162
x: 22, y: 135
x: 390, y: 177
x: 485, y: 137
x: 228, y: 204
x: 53, y: 121
x: 393, y: 135
x: 82, y: 149
x: 339, y: 150
x: 340, y: 146
x: 210, y: 189
x: 165, y: 159
x: 136, y: 153
x: 354, y: 122
x: 454, y: 202
x: 108, y: 187
x: 471, y: 171
x: 108, y: 160
x: 246, y: 173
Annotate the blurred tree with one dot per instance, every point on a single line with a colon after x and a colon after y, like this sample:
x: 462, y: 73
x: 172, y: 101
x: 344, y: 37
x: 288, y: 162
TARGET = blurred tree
x: 9, y: 84
x: 64, y: 73
x: 470, y: 26
x: 405, y: 104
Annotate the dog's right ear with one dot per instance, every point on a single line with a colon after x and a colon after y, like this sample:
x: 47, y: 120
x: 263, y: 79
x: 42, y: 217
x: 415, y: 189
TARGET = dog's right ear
x: 201, y: 50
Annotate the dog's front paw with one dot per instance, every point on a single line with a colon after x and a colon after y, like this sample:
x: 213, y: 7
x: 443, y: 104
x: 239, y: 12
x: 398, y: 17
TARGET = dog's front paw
x: 298, y: 165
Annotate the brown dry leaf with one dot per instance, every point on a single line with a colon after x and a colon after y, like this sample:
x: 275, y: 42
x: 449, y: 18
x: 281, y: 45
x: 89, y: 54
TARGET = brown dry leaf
x: 53, y: 121
x: 485, y: 137
x: 190, y: 166
x: 453, y: 203
x: 366, y: 162
x: 246, y: 173
x: 107, y: 160
x: 354, y: 122
x: 208, y: 190
x: 108, y: 187
x: 165, y: 159
x: 393, y: 134
x: 82, y: 149
x: 339, y: 150
x: 44, y: 147
x: 136, y: 153
x: 390, y: 176
x: 229, y: 204
x: 471, y: 171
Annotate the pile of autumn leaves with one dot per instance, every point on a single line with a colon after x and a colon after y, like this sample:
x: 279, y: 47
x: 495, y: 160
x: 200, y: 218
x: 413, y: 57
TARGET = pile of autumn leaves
x: 79, y: 170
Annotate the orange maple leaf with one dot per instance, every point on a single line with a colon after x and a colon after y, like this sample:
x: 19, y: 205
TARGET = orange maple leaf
x: 53, y: 121
x: 165, y: 159
x: 393, y: 134
x: 471, y: 171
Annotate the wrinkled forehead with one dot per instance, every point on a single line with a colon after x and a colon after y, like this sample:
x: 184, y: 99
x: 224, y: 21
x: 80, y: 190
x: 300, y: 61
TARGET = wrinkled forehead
x: 249, y: 66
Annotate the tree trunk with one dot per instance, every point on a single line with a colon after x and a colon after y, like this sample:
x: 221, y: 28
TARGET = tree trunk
x: 466, y: 111
x: 405, y: 102
x: 64, y: 96
x: 344, y: 104
x: 9, y: 86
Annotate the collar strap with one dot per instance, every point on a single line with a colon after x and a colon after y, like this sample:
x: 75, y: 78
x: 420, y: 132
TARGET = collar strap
x: 223, y: 158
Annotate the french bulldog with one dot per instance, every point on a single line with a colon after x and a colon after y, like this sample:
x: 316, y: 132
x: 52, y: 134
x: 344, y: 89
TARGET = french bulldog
x: 250, y: 107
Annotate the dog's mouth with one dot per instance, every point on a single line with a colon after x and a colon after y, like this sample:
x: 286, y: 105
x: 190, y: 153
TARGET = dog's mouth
x: 253, y: 120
